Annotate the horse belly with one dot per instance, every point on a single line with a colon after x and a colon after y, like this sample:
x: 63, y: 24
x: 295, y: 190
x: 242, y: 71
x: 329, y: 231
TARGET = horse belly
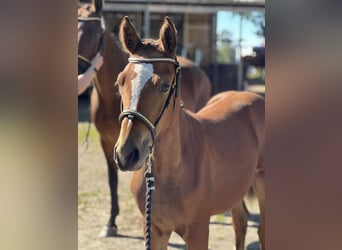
x: 230, y: 189
x: 232, y: 169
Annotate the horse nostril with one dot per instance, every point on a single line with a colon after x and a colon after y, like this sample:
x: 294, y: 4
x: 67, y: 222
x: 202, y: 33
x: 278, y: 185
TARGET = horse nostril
x: 133, y: 157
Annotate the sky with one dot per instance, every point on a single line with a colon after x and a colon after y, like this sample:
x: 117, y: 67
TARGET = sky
x: 227, y: 21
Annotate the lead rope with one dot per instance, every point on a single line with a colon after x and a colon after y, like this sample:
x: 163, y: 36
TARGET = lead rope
x: 149, y: 179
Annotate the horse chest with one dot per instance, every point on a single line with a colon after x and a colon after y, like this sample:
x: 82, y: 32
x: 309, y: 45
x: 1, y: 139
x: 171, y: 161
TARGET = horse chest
x: 167, y: 211
x: 167, y: 204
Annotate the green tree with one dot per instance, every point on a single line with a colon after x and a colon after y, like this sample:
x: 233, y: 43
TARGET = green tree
x: 257, y: 18
x: 225, y: 52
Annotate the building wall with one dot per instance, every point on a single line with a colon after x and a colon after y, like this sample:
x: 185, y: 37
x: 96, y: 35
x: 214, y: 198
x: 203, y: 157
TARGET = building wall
x: 193, y: 31
x: 196, y: 26
x: 198, y: 37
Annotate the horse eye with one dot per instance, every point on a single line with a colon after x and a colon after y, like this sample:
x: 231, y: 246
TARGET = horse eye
x: 165, y: 87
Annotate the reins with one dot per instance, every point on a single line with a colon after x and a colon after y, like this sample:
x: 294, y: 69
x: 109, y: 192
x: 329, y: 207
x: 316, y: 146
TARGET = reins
x: 131, y: 114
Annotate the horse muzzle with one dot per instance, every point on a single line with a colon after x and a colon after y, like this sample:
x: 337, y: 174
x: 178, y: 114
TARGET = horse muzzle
x: 128, y: 158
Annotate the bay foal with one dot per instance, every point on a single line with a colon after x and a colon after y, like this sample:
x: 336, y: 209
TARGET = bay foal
x: 203, y: 163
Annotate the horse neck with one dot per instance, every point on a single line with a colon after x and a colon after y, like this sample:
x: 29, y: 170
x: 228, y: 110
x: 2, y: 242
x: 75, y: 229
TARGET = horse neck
x: 173, y: 139
x: 114, y: 60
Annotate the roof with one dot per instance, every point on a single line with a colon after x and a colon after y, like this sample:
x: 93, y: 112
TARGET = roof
x: 181, y: 6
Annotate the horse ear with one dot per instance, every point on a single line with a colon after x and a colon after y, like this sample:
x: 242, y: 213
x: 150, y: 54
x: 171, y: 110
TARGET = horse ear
x: 129, y: 37
x: 168, y: 37
x: 98, y: 4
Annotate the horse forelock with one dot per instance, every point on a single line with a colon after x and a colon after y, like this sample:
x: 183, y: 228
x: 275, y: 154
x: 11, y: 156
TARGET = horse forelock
x: 150, y: 49
x: 150, y: 42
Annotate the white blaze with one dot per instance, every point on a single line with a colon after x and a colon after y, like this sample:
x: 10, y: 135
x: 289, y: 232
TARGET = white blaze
x: 103, y: 23
x: 80, y: 32
x: 144, y: 72
x: 80, y: 24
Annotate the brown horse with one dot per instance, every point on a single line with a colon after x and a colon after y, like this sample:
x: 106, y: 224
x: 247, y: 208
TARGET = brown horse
x: 105, y: 100
x: 203, y: 163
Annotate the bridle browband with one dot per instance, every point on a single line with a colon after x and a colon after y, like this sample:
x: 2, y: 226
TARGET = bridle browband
x: 95, y: 18
x: 101, y: 43
x: 131, y: 114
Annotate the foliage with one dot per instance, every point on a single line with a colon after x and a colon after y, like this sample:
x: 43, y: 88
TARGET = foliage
x: 225, y: 52
x: 258, y: 18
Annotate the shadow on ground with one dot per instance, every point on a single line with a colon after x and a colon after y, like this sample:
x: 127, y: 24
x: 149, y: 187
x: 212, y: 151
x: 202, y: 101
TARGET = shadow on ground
x: 129, y: 237
x: 254, y: 217
x: 177, y: 246
x: 174, y: 245
x: 253, y: 246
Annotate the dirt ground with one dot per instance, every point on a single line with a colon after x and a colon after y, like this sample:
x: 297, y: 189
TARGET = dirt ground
x: 94, y: 206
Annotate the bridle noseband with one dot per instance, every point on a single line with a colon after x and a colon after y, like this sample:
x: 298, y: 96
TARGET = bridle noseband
x: 101, y: 43
x: 131, y: 114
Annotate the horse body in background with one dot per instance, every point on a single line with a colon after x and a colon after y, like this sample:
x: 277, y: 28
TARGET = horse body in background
x: 105, y: 100
x: 203, y: 163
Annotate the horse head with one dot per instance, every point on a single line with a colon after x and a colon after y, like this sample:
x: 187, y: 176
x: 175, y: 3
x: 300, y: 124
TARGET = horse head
x: 147, y: 85
x: 90, y: 33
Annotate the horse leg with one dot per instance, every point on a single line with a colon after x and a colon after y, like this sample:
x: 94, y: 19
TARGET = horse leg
x: 259, y: 188
x: 111, y: 229
x: 239, y: 215
x: 197, y: 234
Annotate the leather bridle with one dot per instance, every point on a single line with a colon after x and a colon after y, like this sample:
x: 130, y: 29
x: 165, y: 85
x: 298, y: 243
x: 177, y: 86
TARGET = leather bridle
x: 101, y: 43
x: 133, y: 114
